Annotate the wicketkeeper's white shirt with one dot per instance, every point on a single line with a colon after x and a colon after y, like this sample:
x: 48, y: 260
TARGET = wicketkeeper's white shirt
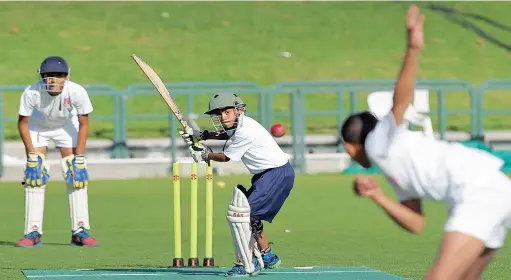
x: 255, y: 147
x: 54, y: 111
x: 421, y: 167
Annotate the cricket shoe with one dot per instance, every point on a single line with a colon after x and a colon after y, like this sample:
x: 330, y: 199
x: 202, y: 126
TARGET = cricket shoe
x: 271, y: 260
x: 238, y: 270
x: 32, y: 239
x: 83, y: 238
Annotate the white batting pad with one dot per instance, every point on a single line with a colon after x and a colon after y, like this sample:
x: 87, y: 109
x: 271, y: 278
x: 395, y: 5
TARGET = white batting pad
x: 238, y: 217
x: 78, y: 203
x: 257, y: 252
x: 34, y: 209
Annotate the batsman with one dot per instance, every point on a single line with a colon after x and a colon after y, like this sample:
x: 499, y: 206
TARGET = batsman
x: 272, y: 181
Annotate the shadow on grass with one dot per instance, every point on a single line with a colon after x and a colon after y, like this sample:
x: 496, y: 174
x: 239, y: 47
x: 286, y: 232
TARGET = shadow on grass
x: 156, y: 271
x: 463, y: 19
x: 11, y: 243
x: 186, y: 271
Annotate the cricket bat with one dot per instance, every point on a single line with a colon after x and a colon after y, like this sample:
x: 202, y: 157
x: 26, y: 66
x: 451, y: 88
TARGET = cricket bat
x: 164, y: 93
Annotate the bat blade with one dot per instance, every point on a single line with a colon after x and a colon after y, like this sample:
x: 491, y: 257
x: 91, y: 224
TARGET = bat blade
x: 163, y: 91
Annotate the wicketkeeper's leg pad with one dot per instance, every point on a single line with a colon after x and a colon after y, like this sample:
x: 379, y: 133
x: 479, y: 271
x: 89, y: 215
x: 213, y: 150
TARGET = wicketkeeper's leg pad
x: 34, y: 208
x: 78, y: 203
x: 34, y: 204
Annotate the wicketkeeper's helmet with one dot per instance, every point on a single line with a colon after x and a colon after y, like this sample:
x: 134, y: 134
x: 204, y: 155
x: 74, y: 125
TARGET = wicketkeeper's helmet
x: 51, y: 72
x: 54, y: 64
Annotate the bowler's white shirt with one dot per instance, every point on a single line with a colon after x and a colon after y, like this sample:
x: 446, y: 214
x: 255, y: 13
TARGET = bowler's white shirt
x: 54, y: 111
x: 421, y: 167
x: 255, y: 147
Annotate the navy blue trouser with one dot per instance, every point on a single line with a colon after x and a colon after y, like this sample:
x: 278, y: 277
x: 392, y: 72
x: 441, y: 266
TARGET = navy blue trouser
x: 269, y: 191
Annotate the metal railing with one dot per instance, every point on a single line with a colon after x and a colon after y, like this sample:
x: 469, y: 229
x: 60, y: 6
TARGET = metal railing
x: 345, y: 97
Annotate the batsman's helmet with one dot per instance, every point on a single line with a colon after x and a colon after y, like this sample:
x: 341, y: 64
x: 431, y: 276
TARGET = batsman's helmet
x: 223, y: 100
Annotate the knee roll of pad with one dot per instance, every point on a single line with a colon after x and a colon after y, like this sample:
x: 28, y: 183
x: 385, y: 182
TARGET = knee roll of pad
x: 257, y: 227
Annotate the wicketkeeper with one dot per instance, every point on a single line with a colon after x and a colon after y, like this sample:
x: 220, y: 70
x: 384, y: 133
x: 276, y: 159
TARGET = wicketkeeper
x: 57, y: 109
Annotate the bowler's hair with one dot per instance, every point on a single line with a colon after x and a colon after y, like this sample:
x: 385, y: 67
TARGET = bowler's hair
x: 357, y: 126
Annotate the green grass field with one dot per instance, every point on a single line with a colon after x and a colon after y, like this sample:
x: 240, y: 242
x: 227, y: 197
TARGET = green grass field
x: 241, y: 41
x: 237, y: 41
x: 328, y: 226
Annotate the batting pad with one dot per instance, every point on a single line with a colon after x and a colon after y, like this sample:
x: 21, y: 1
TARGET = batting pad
x: 238, y: 218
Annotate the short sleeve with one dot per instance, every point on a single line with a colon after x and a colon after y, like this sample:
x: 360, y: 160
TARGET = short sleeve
x: 238, y: 147
x: 378, y: 141
x: 27, y: 104
x: 82, y: 102
x: 401, y: 196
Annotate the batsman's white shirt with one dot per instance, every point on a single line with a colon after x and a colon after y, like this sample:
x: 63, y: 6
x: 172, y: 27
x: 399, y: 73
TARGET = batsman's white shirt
x: 255, y: 147
x: 54, y: 117
x: 468, y: 179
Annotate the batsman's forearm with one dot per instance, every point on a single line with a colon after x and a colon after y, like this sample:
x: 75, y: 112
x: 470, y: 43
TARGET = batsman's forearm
x: 402, y: 215
x: 218, y: 136
x: 218, y: 157
x: 25, y: 137
x: 405, y: 85
x: 83, y: 134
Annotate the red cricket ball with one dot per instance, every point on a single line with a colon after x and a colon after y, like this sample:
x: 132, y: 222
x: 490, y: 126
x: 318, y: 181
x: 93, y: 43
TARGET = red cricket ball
x: 278, y: 130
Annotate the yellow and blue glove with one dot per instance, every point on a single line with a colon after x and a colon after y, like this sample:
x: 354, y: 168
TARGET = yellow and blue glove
x: 36, y: 173
x: 76, y: 173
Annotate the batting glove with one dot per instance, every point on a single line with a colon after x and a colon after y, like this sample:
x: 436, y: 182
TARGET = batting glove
x: 188, y: 133
x: 199, y: 153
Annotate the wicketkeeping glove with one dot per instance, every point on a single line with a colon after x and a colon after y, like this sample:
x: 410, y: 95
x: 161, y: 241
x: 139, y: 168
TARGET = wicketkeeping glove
x: 36, y: 173
x: 77, y: 174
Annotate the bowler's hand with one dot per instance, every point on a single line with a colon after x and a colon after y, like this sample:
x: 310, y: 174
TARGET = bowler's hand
x: 366, y: 186
x: 414, y: 26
